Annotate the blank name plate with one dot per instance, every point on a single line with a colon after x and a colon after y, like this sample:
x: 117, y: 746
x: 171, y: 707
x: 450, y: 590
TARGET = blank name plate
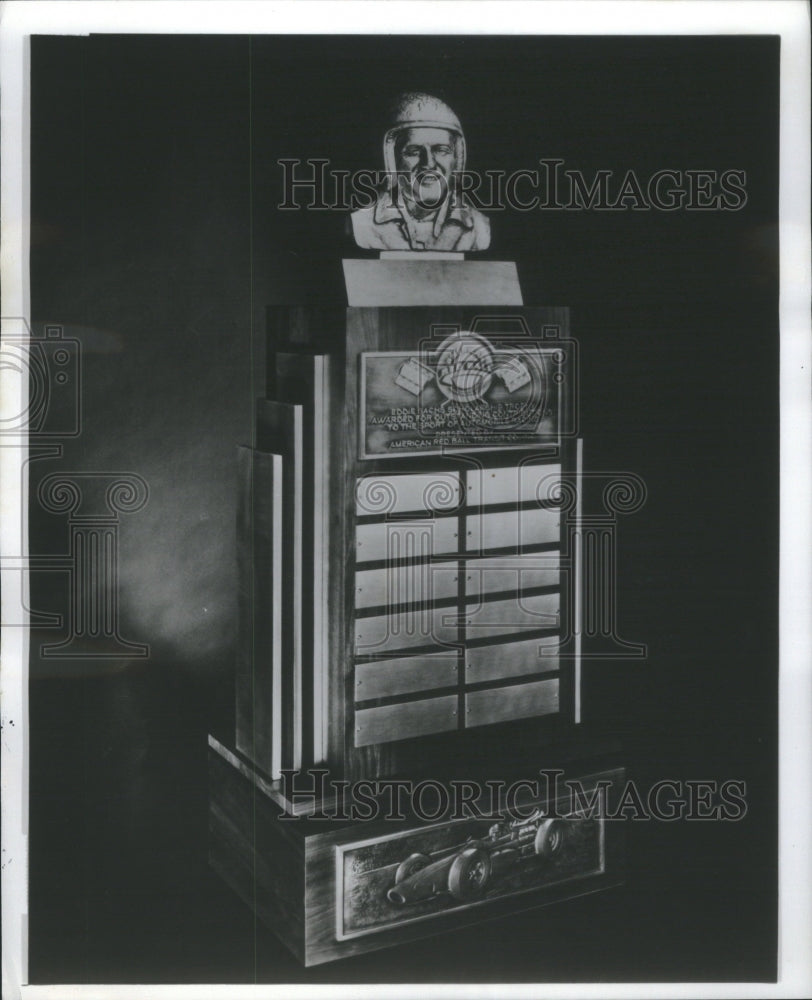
x: 381, y: 495
x: 511, y: 659
x: 513, y: 615
x: 406, y: 629
x: 513, y: 529
x: 508, y: 485
x: 406, y: 540
x: 521, y: 701
x: 405, y: 584
x: 406, y: 720
x: 511, y: 573
x: 404, y: 675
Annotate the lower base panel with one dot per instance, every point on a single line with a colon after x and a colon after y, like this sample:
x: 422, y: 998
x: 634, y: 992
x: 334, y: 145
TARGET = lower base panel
x: 332, y: 888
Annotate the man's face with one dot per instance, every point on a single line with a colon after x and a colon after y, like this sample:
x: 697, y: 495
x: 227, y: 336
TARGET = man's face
x: 427, y: 157
x: 420, y: 149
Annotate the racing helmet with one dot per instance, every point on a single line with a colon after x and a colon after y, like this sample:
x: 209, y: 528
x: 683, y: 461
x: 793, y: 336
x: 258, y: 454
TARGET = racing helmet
x: 419, y: 110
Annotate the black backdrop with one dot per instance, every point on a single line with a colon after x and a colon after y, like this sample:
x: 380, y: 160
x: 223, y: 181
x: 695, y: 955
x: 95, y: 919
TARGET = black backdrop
x: 156, y: 243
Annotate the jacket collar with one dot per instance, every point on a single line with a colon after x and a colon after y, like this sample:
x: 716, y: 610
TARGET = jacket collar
x: 453, y: 209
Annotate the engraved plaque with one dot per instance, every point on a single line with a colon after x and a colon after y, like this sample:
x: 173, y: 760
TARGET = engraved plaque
x: 379, y: 886
x: 406, y: 629
x: 512, y: 484
x: 404, y: 675
x: 511, y: 573
x: 510, y: 659
x: 409, y: 583
x: 504, y: 617
x: 409, y: 540
x: 382, y: 495
x: 521, y: 701
x: 512, y: 529
x: 406, y: 720
x: 462, y: 394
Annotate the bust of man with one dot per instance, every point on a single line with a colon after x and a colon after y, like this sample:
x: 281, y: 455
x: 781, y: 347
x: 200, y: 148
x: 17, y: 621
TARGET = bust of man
x: 419, y: 208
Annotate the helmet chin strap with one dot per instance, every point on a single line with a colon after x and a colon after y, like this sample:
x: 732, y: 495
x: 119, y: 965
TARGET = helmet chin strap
x: 442, y: 212
x: 439, y: 213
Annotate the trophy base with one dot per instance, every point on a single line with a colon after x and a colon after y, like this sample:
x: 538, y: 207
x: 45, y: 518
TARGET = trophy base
x: 332, y: 884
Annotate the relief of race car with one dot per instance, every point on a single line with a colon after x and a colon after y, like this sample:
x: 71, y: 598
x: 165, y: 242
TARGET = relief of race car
x: 465, y: 870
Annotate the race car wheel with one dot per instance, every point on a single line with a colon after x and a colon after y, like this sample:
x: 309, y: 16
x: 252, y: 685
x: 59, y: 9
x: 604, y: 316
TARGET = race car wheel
x: 469, y: 874
x: 550, y: 838
x: 410, y: 865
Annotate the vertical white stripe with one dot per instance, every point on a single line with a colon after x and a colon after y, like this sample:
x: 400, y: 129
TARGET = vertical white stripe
x: 298, y: 706
x: 14, y: 400
x: 577, y: 556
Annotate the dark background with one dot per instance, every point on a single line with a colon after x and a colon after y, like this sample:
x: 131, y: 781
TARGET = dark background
x: 156, y: 243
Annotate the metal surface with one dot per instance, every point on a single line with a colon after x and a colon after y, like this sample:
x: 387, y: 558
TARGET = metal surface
x: 504, y: 617
x: 511, y: 573
x: 408, y: 583
x: 505, y: 395
x: 399, y: 878
x: 411, y: 539
x: 511, y: 529
x: 408, y: 719
x: 406, y: 629
x: 521, y: 701
x: 509, y: 485
x: 510, y: 659
x: 381, y: 495
x: 431, y: 283
x: 405, y: 675
x: 578, y: 596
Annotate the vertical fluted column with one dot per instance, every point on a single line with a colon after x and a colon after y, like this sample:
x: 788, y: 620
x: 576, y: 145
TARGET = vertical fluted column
x: 93, y: 503
x: 589, y: 562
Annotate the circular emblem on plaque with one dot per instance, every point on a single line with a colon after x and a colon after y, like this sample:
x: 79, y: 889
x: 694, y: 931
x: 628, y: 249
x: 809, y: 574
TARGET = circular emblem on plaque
x: 464, y: 367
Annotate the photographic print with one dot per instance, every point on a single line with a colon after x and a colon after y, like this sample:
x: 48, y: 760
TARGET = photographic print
x: 401, y: 473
